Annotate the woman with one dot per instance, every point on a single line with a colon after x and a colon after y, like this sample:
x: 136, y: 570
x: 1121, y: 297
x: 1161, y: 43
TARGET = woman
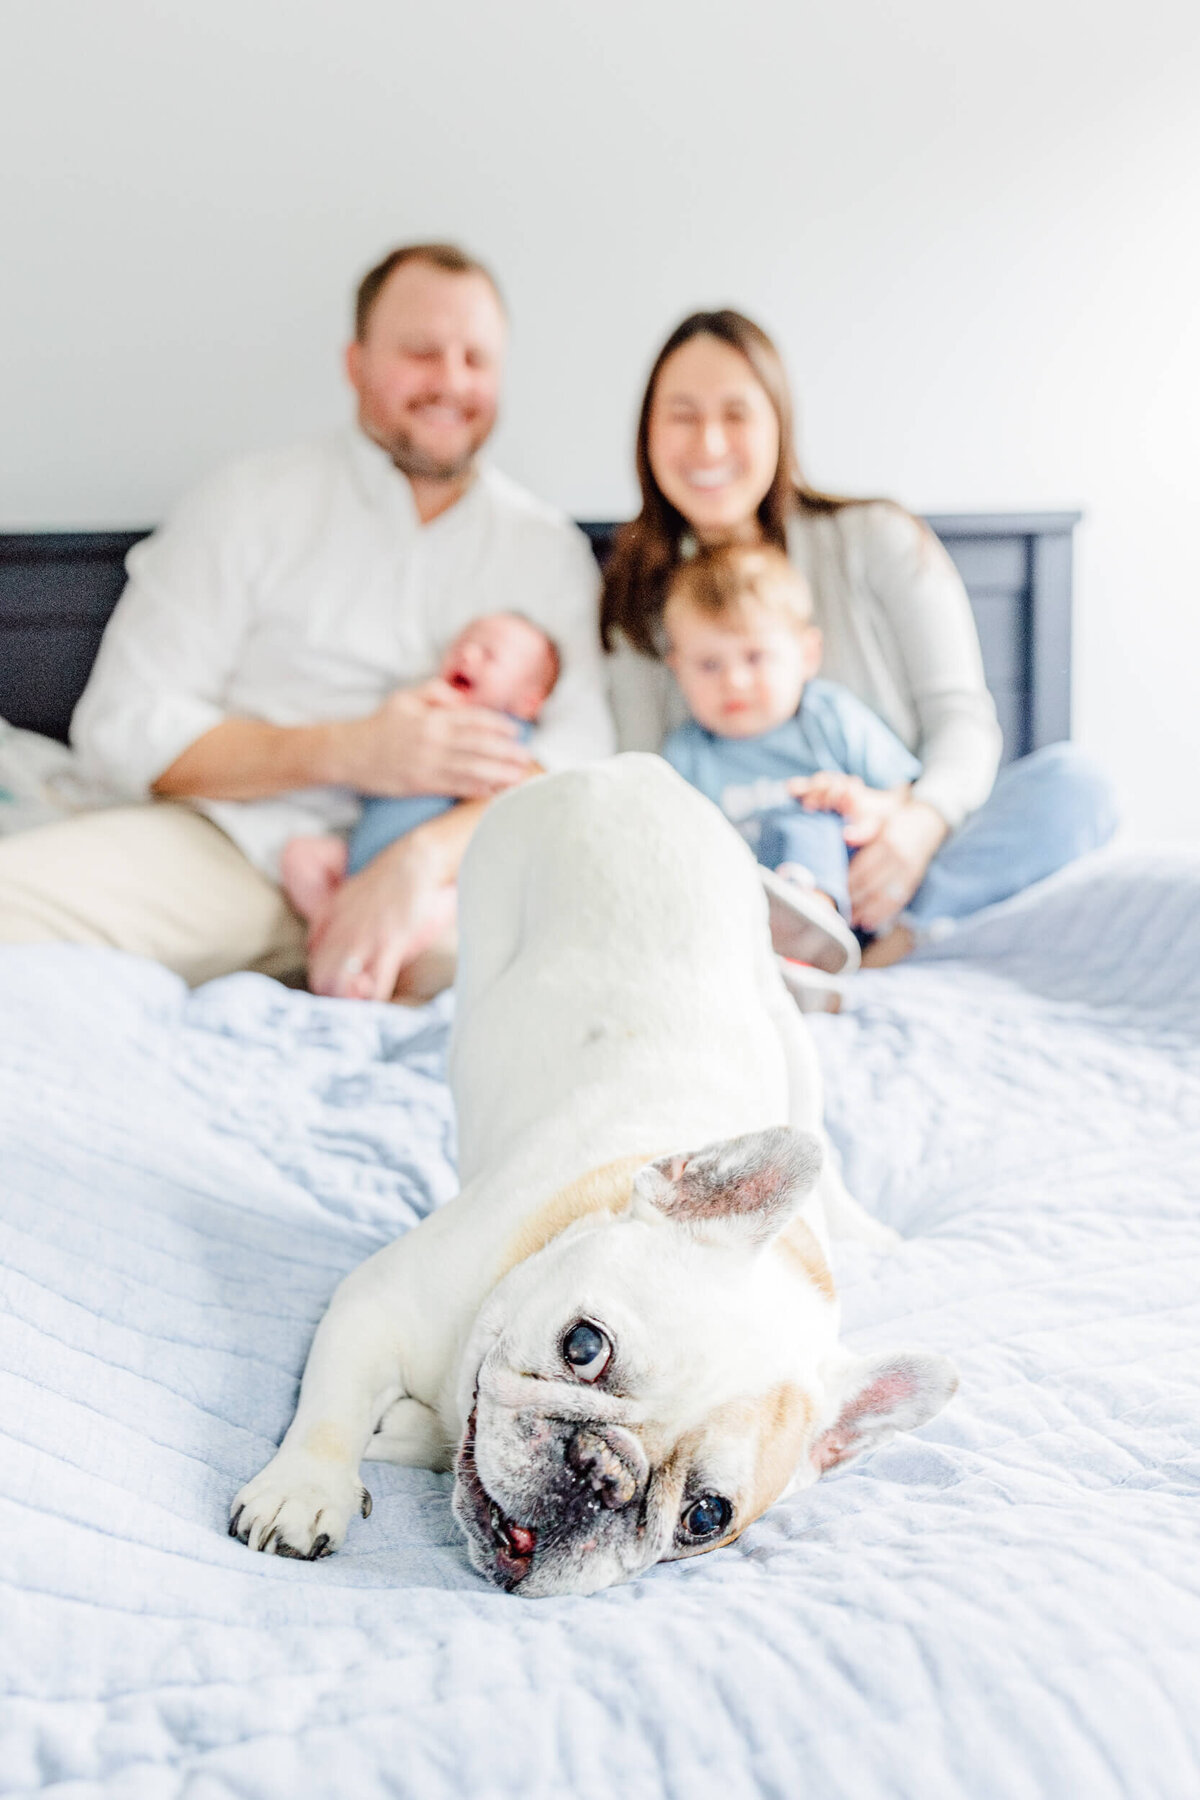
x: 716, y: 462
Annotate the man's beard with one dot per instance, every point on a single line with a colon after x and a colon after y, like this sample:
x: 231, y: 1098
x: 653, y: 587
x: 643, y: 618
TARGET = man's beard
x: 419, y: 465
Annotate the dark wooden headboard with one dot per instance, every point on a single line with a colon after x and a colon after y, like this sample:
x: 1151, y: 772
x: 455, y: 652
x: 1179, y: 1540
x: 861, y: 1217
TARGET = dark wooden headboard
x: 57, y: 589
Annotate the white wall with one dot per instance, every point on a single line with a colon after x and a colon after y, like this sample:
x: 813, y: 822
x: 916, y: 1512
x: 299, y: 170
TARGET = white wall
x: 973, y: 229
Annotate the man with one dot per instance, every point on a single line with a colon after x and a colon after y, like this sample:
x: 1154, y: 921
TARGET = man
x: 262, y: 669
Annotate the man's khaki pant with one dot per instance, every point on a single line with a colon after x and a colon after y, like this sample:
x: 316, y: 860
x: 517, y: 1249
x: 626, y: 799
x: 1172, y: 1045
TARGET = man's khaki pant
x: 159, y: 880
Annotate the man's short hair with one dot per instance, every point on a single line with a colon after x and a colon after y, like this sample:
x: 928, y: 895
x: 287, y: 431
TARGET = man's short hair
x: 439, y: 256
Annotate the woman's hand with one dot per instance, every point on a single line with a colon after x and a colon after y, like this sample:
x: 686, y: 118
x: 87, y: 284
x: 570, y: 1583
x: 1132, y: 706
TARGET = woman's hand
x: 890, y: 868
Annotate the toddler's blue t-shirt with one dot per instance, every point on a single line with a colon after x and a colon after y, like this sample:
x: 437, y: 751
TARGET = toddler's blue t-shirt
x: 831, y: 729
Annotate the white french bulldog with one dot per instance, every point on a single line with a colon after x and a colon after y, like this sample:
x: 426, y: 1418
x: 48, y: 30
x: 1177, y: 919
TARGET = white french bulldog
x: 623, y: 1331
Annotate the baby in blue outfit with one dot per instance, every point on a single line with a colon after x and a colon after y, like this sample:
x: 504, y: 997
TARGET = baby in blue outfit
x: 502, y: 661
x: 799, y: 765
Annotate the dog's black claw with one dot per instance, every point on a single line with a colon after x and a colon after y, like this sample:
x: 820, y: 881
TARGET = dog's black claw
x: 233, y: 1523
x: 320, y: 1548
x: 282, y: 1549
x: 367, y: 1503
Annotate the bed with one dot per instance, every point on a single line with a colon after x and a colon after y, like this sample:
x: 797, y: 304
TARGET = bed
x: 1004, y: 1605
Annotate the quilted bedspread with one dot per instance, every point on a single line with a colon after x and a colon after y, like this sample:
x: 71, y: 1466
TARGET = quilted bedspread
x: 1002, y: 1606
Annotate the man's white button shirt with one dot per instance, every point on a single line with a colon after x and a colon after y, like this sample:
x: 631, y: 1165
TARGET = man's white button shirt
x: 301, y: 586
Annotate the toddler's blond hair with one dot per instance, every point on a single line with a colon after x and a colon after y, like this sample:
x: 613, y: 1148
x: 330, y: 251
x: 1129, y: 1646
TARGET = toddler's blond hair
x: 727, y: 582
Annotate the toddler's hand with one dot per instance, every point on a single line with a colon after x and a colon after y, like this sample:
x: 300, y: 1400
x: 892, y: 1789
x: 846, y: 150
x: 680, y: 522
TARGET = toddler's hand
x: 866, y: 810
x: 829, y: 791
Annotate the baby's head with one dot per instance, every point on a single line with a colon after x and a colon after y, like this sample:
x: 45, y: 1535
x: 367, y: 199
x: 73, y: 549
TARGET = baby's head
x: 741, y: 641
x: 503, y: 661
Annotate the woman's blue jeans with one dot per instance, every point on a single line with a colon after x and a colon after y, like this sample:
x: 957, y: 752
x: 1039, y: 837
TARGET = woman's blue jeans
x: 1044, y: 811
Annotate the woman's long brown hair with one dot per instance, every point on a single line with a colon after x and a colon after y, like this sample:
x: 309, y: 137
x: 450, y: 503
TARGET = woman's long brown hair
x: 646, y: 550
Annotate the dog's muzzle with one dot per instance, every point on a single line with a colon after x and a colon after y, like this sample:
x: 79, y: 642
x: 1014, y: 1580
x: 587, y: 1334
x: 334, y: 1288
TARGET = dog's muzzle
x: 585, y: 1478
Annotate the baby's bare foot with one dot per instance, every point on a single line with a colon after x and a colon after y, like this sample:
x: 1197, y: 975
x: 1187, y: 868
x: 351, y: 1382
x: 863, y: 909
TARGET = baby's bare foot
x: 312, y: 869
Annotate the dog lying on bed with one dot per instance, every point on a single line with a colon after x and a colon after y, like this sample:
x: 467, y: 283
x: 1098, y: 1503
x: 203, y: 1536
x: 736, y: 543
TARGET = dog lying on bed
x: 623, y: 1331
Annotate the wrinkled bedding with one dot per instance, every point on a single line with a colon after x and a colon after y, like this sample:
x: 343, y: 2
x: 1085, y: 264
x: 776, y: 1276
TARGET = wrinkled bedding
x: 1003, y: 1605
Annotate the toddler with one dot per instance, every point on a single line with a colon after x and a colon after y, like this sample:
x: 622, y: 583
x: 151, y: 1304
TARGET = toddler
x: 800, y: 765
x: 502, y: 661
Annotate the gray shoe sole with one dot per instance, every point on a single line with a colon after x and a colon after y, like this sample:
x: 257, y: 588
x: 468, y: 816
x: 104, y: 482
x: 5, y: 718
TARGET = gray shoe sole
x: 807, y: 928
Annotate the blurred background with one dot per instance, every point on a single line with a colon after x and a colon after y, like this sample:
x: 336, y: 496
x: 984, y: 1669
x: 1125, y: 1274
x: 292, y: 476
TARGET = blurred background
x: 974, y: 231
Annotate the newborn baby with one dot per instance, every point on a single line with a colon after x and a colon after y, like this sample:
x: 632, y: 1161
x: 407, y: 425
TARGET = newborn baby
x: 502, y: 661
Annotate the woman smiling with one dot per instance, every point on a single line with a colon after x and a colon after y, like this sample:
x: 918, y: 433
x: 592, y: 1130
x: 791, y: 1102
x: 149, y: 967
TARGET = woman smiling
x: 717, y: 464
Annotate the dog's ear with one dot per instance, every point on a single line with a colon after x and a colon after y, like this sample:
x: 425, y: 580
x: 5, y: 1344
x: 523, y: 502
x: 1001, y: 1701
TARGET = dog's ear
x: 741, y: 1191
x: 872, y: 1398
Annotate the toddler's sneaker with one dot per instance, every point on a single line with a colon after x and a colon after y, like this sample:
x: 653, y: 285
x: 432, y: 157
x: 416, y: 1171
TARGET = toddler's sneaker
x: 805, y: 926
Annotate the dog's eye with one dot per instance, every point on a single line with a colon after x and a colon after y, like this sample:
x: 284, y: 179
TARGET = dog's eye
x: 706, y: 1517
x: 587, y: 1350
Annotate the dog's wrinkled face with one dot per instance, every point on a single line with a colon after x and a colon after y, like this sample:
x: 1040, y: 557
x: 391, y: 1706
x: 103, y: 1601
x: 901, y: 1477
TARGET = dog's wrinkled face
x: 648, y: 1383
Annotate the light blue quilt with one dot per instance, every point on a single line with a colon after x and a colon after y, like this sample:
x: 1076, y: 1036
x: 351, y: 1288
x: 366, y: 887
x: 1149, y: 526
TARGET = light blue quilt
x: 1002, y: 1607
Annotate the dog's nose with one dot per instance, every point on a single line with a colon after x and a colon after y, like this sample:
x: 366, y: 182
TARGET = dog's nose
x: 612, y: 1463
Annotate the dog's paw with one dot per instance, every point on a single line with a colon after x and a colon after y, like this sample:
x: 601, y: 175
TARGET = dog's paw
x: 298, y: 1506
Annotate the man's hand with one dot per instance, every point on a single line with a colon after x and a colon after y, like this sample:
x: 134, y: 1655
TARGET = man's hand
x: 427, y: 740
x: 379, y: 921
x: 422, y: 740
x: 865, y: 809
x: 887, y: 872
x: 384, y: 917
